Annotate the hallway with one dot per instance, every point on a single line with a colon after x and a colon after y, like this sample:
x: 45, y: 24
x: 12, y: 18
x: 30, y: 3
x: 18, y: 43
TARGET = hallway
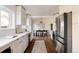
x: 41, y: 45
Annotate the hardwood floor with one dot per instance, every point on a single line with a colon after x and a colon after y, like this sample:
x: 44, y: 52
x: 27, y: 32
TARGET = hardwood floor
x: 48, y: 43
x: 30, y: 47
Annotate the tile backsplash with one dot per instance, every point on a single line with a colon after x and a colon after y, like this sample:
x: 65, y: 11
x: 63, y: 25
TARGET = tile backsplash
x: 4, y: 32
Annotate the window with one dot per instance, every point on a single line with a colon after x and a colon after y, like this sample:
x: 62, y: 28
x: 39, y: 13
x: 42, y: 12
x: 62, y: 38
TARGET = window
x: 4, y: 21
x: 5, y: 17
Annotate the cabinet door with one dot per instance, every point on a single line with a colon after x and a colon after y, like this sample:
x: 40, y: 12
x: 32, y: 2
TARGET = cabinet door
x: 21, y: 44
x: 25, y: 42
x: 20, y: 15
x: 15, y: 47
x: 23, y: 16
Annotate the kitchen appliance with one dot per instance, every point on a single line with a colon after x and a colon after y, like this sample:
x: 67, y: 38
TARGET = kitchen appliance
x: 64, y: 32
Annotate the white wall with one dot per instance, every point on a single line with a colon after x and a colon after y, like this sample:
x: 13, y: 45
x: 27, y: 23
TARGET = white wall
x: 46, y: 20
x: 29, y: 23
x: 75, y: 24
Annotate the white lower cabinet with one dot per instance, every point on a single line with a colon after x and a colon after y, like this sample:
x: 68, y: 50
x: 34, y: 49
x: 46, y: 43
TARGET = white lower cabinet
x: 20, y: 44
x: 15, y: 47
x: 24, y: 43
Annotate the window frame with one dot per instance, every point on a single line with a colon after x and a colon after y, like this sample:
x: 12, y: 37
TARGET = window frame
x: 10, y: 16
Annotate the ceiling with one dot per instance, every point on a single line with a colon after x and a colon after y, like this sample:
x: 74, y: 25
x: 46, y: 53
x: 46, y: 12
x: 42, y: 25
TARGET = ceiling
x: 42, y: 10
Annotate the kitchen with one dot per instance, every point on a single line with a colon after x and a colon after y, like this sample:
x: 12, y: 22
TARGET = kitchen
x: 17, y: 24
x: 20, y: 24
x: 39, y: 29
x: 14, y: 36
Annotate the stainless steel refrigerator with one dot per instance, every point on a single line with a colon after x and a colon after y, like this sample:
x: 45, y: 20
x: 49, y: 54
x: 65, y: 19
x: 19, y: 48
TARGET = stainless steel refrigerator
x: 64, y: 31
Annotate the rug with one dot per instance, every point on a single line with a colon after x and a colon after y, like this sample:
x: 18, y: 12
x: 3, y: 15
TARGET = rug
x: 39, y: 47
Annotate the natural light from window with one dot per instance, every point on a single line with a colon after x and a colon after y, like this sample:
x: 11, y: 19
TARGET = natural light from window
x: 4, y: 18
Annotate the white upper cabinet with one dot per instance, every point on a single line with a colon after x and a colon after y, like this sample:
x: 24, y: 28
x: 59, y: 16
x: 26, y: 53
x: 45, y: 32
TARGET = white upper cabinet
x: 20, y: 15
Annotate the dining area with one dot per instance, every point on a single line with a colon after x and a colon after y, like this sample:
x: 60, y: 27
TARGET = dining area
x: 40, y: 33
